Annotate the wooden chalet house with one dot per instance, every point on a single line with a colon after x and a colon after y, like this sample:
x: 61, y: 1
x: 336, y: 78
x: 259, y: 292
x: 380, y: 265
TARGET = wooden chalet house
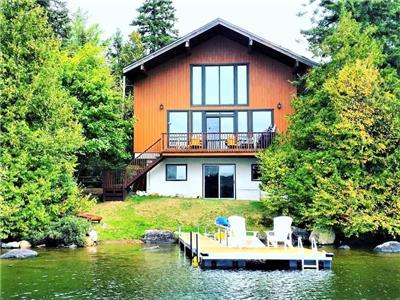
x: 204, y: 105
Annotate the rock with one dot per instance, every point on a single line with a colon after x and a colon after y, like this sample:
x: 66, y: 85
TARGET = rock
x: 344, y: 247
x: 72, y: 246
x: 323, y: 236
x: 141, y: 193
x: 10, y: 245
x: 94, y: 236
x: 156, y: 236
x: 89, y: 242
x: 299, y: 232
x: 24, y: 245
x: 19, y: 253
x: 41, y: 246
x: 388, y: 247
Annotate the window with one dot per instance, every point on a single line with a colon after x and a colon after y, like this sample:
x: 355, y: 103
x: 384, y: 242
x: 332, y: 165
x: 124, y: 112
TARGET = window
x: 197, y: 122
x: 242, y: 121
x: 176, y: 172
x: 219, y: 85
x: 227, y: 85
x: 262, y: 120
x: 242, y: 85
x: 197, y: 83
x: 212, y: 85
x: 255, y: 172
x: 178, y: 122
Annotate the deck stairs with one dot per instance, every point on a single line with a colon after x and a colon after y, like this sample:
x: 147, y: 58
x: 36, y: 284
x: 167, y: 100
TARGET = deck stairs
x: 117, y: 182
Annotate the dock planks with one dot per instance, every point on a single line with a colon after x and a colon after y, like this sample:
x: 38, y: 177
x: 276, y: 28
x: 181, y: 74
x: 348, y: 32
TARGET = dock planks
x: 212, y: 252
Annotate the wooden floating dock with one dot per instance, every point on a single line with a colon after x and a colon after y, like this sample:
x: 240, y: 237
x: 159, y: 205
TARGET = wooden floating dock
x: 213, y: 254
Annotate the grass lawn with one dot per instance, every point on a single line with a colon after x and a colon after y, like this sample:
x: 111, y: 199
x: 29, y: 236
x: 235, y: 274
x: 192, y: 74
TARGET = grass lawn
x: 129, y: 219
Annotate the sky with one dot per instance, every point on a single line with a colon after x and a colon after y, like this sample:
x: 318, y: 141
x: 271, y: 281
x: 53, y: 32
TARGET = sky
x: 274, y: 20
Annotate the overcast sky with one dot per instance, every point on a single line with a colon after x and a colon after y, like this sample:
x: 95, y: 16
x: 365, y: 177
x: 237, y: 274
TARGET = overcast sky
x: 274, y: 20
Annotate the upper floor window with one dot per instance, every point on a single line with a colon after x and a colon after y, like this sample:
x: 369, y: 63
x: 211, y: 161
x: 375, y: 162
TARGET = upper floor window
x: 219, y: 85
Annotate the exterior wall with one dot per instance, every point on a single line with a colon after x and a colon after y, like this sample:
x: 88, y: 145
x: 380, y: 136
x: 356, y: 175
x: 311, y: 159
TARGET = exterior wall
x: 246, y: 189
x: 169, y: 84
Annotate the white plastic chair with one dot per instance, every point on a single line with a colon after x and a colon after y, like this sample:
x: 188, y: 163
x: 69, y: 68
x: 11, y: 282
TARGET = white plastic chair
x: 238, y: 234
x: 282, y: 232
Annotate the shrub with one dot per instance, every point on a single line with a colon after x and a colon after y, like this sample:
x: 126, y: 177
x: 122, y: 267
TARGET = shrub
x: 66, y: 231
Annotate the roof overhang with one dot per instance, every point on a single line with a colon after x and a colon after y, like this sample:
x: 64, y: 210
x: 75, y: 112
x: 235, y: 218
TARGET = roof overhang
x: 217, y: 27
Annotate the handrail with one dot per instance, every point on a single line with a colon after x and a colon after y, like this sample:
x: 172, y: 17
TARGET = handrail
x: 314, y: 244
x: 299, y: 243
x: 145, y: 151
x: 218, y: 141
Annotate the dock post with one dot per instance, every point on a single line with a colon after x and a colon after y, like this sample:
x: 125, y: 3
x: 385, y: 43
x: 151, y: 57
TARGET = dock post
x: 191, y: 245
x: 197, y: 248
x: 219, y: 234
x: 226, y: 236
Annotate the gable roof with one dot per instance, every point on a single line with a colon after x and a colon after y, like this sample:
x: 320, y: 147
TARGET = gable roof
x: 217, y: 26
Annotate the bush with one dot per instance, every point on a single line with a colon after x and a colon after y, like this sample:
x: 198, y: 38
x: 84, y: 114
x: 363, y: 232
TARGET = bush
x: 65, y: 231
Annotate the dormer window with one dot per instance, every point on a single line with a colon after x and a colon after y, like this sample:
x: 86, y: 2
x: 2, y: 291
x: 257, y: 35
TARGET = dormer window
x: 219, y: 84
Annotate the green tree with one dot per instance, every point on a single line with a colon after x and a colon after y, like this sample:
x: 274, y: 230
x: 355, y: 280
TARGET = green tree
x: 39, y: 134
x: 155, y: 23
x: 101, y: 109
x: 339, y: 163
x: 383, y: 14
x: 81, y: 33
x: 58, y: 17
x: 121, y: 53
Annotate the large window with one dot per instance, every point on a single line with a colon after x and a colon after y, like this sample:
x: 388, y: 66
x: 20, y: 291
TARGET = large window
x: 241, y: 121
x: 178, y: 122
x: 219, y: 85
x: 176, y: 172
x: 262, y: 120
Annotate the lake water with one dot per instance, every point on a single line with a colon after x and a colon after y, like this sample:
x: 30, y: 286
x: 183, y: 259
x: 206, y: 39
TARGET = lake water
x: 132, y: 272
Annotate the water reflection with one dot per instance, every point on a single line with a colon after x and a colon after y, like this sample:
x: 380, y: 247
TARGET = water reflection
x: 132, y: 272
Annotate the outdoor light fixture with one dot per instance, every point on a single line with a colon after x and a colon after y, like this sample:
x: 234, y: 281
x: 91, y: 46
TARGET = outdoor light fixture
x: 279, y: 105
x: 161, y: 106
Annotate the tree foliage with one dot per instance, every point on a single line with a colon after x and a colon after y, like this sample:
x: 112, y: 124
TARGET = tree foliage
x: 39, y: 134
x: 339, y: 163
x: 58, y: 17
x: 81, y: 33
x: 101, y: 109
x: 383, y: 14
x: 121, y: 53
x: 156, y: 23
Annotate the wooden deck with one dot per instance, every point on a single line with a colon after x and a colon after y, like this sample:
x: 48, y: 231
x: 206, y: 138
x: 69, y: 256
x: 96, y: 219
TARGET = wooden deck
x: 214, y: 254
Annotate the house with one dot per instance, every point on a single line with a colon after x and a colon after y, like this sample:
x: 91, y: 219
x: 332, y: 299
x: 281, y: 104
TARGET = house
x: 204, y: 106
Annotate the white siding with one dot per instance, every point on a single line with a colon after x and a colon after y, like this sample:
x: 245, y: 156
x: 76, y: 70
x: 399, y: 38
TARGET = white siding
x: 246, y: 189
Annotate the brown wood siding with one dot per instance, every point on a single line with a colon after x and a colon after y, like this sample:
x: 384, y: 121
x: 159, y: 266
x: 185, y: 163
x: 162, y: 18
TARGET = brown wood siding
x: 169, y: 84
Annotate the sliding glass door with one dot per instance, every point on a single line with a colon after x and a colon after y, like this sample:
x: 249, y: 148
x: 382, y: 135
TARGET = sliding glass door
x: 218, y: 124
x: 219, y: 181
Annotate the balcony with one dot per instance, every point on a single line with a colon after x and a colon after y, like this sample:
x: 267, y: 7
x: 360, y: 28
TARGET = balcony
x: 235, y: 143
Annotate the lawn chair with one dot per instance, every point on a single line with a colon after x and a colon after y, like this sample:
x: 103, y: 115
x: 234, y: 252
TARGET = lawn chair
x: 238, y: 234
x: 282, y: 232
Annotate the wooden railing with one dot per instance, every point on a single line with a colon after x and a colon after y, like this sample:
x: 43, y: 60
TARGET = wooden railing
x: 216, y: 142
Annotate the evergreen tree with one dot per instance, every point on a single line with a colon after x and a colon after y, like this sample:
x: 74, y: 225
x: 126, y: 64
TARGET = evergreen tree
x: 58, y: 17
x: 155, y: 23
x: 121, y: 53
x: 81, y: 33
x: 384, y: 14
x: 338, y: 165
x: 39, y: 134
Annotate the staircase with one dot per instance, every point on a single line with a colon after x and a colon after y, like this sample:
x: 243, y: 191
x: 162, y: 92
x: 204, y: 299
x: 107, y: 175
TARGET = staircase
x: 117, y: 183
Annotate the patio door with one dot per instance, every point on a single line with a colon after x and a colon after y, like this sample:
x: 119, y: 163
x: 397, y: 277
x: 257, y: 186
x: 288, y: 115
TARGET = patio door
x: 219, y: 181
x: 218, y: 125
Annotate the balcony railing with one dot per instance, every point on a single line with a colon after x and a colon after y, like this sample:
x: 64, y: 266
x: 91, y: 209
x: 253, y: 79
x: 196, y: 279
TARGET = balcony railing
x: 216, y: 142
